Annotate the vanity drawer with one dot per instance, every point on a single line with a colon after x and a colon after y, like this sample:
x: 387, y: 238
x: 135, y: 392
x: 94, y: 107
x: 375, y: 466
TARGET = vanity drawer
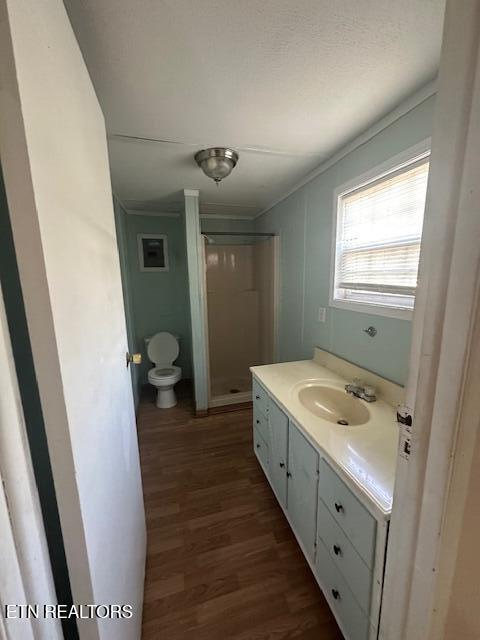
x: 260, y: 422
x: 260, y: 397
x: 261, y: 449
x: 345, y: 557
x: 353, y: 621
x: 357, y: 523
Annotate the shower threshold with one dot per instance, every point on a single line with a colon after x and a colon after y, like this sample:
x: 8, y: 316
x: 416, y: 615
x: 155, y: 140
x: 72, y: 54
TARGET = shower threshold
x: 237, y: 397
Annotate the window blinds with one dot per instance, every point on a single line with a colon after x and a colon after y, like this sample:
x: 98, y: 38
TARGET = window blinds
x: 378, y: 244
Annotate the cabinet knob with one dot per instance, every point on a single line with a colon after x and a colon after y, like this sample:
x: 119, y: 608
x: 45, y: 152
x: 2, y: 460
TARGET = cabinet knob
x: 337, y: 550
x: 257, y: 421
x: 257, y: 397
x: 335, y: 594
x: 338, y: 507
x: 258, y: 445
x: 282, y: 465
x: 289, y: 475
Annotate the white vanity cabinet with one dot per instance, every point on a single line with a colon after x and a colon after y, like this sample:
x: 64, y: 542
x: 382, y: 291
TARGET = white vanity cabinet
x: 278, y: 437
x: 261, y: 451
x: 261, y: 435
x: 343, y: 542
x: 346, y: 540
x: 302, y: 488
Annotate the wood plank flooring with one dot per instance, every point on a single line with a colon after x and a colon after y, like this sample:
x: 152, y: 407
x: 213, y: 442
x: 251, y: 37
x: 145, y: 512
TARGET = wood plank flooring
x: 222, y: 562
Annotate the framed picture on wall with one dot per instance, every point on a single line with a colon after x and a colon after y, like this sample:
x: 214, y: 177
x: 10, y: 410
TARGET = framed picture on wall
x: 152, y: 252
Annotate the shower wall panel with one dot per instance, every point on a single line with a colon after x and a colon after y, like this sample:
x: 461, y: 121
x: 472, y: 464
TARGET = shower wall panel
x: 264, y: 267
x: 233, y: 314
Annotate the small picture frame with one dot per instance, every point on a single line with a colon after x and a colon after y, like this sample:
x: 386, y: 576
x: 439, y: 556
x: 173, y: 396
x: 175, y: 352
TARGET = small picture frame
x: 152, y: 252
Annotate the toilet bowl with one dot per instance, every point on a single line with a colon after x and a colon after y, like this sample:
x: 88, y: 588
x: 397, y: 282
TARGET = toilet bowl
x: 162, y: 351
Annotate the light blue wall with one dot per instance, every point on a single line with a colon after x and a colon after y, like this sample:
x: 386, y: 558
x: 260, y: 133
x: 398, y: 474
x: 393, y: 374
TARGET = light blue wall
x: 159, y: 300
x: 304, y: 222
x: 224, y: 224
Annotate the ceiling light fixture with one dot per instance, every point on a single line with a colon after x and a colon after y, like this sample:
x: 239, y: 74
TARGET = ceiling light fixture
x: 217, y: 162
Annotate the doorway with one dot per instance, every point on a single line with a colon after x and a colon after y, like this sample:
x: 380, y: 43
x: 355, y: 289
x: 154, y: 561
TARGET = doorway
x: 241, y: 283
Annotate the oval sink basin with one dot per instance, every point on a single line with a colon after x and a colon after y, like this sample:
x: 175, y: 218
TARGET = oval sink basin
x: 333, y: 405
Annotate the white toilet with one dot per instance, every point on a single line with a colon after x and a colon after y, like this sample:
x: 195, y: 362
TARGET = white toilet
x: 162, y: 350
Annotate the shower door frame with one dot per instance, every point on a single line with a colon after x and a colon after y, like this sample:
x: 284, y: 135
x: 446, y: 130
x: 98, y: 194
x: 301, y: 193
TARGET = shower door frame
x: 243, y: 397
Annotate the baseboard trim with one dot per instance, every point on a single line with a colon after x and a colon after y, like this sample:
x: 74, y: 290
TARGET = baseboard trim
x: 226, y: 408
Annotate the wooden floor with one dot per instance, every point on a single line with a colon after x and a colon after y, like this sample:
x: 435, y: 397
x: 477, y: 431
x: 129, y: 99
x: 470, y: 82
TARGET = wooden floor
x: 222, y: 561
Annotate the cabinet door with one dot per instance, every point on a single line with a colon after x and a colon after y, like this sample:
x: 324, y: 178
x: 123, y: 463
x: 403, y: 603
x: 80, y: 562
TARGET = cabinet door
x: 353, y: 621
x: 260, y: 397
x: 260, y: 422
x: 278, y: 428
x: 359, y: 525
x: 302, y: 488
x: 260, y: 448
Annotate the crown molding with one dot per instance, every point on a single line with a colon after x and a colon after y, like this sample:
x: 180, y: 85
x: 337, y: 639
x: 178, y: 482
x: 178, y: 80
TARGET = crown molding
x: 154, y: 214
x: 223, y: 216
x: 174, y: 214
x: 402, y: 109
x: 119, y: 200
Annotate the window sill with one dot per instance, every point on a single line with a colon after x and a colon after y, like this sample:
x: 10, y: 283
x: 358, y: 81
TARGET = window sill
x: 373, y: 309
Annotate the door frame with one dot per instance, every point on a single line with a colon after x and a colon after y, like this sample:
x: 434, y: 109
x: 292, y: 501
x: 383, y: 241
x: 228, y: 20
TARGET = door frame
x: 275, y: 240
x: 24, y: 544
x: 197, y: 296
x: 276, y: 297
x: 442, y: 358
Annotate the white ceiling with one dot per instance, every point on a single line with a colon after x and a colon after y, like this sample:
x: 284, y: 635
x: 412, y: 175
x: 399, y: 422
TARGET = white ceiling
x: 296, y: 79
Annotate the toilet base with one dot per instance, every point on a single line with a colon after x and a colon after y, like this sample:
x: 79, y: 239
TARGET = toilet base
x: 166, y: 398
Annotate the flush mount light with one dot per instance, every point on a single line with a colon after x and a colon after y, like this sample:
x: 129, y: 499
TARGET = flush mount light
x: 217, y: 163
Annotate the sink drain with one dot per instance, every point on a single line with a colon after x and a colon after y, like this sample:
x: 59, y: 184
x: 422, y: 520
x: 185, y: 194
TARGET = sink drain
x: 344, y: 422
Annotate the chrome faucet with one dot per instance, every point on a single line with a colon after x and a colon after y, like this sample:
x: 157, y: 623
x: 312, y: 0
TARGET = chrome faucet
x: 359, y: 390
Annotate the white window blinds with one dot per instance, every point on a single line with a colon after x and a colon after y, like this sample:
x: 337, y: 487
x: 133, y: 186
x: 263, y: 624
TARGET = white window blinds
x: 378, y: 238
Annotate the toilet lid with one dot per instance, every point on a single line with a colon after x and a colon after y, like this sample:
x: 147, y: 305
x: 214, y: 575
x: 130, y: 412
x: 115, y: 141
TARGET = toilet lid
x: 163, y: 348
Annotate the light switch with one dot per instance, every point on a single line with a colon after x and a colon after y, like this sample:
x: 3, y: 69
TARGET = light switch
x: 322, y: 314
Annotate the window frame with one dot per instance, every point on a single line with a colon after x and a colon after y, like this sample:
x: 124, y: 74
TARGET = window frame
x: 396, y: 163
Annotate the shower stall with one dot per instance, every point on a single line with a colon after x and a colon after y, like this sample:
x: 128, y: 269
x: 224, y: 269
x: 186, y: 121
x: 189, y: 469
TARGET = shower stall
x: 241, y: 286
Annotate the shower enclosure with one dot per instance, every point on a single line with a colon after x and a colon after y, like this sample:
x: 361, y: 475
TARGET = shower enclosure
x: 240, y: 271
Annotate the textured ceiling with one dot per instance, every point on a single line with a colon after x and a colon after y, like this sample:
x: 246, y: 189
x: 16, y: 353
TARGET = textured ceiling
x: 293, y: 79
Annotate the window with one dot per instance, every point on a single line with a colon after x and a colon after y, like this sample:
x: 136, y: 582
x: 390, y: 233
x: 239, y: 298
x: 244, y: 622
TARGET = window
x: 152, y: 252
x: 378, y: 235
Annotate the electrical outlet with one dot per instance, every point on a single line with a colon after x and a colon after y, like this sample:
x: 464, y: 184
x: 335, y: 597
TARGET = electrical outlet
x: 322, y: 312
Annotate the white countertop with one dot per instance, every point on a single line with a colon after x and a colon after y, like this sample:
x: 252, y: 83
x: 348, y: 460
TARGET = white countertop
x: 365, y: 455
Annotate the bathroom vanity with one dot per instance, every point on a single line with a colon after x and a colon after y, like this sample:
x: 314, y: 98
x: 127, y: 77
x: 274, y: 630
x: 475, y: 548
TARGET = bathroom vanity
x: 334, y: 481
